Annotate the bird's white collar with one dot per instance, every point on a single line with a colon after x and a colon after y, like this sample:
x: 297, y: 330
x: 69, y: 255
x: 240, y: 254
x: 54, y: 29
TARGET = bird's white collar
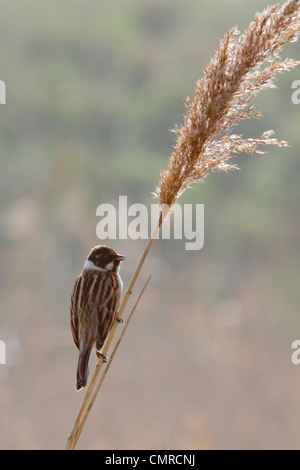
x: 90, y: 265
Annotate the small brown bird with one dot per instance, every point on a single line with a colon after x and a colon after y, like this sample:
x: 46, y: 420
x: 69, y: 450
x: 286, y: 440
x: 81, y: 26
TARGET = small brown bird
x: 94, y: 305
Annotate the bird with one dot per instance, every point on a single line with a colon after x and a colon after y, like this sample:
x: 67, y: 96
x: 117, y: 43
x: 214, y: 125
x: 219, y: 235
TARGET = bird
x: 95, y: 301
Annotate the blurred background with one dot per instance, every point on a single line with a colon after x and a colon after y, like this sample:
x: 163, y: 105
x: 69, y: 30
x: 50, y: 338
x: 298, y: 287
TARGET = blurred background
x: 93, y: 89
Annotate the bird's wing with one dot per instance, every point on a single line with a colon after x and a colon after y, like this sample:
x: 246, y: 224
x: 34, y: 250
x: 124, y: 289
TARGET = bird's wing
x: 96, y: 298
x: 74, y: 310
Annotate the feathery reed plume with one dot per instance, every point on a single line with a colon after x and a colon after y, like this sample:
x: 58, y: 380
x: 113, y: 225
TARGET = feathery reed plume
x: 244, y: 65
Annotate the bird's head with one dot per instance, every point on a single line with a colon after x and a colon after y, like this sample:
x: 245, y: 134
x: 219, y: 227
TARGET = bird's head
x: 103, y: 257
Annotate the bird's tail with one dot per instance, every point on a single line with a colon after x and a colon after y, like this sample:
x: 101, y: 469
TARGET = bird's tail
x: 83, y: 368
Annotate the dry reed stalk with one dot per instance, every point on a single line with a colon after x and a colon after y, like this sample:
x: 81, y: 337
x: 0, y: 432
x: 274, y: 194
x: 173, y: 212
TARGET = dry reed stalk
x: 243, y: 66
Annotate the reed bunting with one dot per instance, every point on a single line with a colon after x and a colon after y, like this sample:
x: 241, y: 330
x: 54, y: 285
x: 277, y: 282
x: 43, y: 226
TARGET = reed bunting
x: 94, y: 305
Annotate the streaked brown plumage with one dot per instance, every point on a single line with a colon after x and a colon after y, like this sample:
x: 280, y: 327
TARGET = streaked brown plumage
x: 94, y: 304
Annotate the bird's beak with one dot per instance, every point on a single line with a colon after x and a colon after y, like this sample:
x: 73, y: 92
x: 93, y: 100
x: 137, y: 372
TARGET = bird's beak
x: 120, y: 258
